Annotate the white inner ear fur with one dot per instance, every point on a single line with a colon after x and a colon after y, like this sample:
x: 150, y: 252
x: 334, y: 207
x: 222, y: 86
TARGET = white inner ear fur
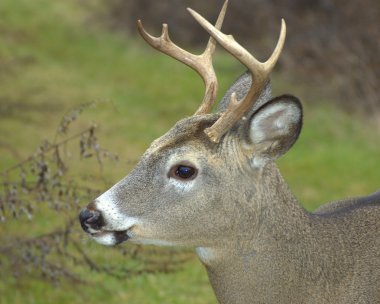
x: 270, y: 125
x: 273, y: 121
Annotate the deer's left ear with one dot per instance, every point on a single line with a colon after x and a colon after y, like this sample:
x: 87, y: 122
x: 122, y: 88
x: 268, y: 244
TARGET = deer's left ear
x: 274, y: 128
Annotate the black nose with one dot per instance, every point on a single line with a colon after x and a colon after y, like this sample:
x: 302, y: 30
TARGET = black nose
x: 91, y: 219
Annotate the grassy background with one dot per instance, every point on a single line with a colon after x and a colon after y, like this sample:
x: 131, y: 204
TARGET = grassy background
x: 54, y: 55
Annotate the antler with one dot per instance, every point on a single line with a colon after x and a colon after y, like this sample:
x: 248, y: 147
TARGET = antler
x: 202, y: 64
x: 260, y: 75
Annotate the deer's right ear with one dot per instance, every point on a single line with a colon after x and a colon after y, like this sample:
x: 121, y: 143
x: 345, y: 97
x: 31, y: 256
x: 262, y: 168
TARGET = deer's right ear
x: 274, y: 128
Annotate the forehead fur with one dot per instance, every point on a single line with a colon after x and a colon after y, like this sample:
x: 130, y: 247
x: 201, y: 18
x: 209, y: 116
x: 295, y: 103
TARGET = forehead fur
x: 186, y: 129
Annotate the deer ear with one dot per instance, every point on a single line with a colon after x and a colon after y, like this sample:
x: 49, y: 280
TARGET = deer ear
x: 274, y: 128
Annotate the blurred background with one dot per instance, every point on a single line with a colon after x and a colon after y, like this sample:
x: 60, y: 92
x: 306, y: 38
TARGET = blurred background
x: 82, y: 96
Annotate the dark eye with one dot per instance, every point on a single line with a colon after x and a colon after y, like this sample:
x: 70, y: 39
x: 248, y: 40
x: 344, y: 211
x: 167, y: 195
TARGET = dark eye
x: 183, y: 172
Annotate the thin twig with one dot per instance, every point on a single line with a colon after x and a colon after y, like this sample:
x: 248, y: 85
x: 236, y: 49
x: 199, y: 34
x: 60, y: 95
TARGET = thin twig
x: 49, y: 148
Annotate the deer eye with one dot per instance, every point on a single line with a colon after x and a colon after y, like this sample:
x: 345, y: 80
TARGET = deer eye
x: 183, y: 172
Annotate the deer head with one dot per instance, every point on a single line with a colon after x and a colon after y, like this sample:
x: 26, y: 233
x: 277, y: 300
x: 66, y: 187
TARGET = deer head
x: 196, y: 184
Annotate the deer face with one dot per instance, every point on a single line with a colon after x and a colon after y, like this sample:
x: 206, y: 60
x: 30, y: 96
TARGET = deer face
x: 164, y: 197
x: 186, y: 189
x: 189, y: 186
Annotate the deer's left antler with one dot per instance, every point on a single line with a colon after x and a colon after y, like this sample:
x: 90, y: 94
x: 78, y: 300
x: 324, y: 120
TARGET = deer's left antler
x: 202, y: 64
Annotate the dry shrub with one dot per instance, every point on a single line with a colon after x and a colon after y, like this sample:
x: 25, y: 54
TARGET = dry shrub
x: 41, y: 185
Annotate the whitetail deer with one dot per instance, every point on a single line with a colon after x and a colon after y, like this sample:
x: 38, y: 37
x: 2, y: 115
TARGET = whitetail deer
x: 211, y: 183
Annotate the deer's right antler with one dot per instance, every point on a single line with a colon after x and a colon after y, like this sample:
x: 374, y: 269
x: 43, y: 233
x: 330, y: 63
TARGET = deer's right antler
x: 260, y: 75
x: 202, y: 64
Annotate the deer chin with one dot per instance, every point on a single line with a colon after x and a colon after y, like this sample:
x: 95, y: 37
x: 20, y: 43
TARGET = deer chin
x: 110, y: 238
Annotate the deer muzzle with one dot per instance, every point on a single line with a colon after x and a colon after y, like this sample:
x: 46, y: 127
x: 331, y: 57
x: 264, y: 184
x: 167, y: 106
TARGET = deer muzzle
x: 91, y: 220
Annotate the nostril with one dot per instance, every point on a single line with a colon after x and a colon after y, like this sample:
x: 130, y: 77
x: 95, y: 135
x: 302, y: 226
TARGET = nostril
x: 90, y: 219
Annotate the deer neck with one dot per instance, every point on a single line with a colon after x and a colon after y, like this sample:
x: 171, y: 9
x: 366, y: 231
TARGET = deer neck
x: 267, y: 232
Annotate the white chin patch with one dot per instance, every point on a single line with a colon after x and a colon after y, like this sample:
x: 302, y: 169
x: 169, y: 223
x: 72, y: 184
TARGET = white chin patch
x: 105, y: 238
x: 114, y: 218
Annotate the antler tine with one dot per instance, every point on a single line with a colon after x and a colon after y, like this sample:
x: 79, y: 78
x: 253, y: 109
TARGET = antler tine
x: 260, y: 75
x: 211, y: 83
x: 202, y: 64
x: 209, y: 51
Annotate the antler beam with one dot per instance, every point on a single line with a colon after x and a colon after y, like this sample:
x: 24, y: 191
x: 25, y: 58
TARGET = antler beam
x: 202, y: 64
x: 260, y: 75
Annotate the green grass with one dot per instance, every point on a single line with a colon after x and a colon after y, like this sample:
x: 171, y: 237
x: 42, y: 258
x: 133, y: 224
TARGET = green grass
x: 335, y: 157
x: 55, y: 56
x: 180, y: 287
